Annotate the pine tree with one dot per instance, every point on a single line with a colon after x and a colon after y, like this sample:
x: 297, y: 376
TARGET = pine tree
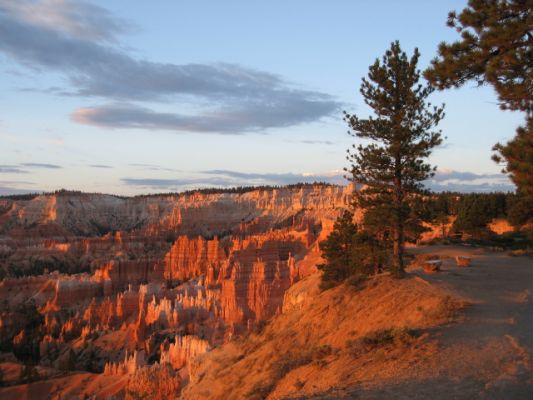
x: 473, y: 215
x: 496, y: 48
x: 337, y: 250
x: 518, y: 156
x: 349, y: 251
x: 391, y: 167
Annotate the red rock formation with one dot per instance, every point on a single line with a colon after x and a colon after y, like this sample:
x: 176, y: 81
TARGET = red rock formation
x: 189, y: 258
x: 139, y: 333
x: 125, y: 272
x: 184, y: 349
x: 127, y: 304
x: 70, y: 291
x: 127, y: 367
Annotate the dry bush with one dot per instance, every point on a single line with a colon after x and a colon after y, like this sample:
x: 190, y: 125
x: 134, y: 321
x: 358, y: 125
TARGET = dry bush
x: 290, y: 361
x: 281, y: 367
x: 260, y: 391
x: 287, y: 362
x: 396, y: 337
x: 153, y: 382
x: 447, y: 310
x: 259, y: 326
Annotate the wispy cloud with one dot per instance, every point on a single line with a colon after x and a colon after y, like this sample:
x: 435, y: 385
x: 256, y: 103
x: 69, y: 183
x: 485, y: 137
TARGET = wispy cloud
x: 227, y: 178
x: 68, y: 42
x: 464, y: 181
x: 78, y: 18
x: 457, y: 181
x: 448, y: 175
x: 41, y: 165
x: 100, y: 166
x: 152, y: 167
x: 23, y: 167
x: 286, y: 109
x: 12, y: 169
x: 324, y: 142
x: 328, y: 142
x: 175, y: 184
x: 9, y: 187
x: 483, y: 187
x: 16, y: 183
x: 7, y: 190
x: 274, y: 178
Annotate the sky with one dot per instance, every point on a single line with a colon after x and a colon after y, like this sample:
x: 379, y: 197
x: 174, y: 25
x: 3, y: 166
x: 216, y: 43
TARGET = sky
x: 138, y: 97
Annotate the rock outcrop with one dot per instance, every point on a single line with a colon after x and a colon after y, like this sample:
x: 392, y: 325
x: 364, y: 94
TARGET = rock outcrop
x: 129, y: 366
x: 182, y: 351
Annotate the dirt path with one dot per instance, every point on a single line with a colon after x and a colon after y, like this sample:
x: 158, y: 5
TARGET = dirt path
x: 489, y: 354
x: 500, y: 290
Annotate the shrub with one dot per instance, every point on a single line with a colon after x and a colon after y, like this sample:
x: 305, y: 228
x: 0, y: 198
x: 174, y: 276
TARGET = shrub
x: 260, y: 391
x: 289, y: 361
x: 259, y: 326
x: 386, y: 337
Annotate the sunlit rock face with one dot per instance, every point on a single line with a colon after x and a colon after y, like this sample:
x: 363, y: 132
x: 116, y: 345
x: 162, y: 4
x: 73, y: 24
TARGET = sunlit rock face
x: 182, y: 350
x: 121, y: 283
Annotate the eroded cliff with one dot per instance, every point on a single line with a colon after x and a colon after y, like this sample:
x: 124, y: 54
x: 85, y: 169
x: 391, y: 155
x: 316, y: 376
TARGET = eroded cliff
x: 122, y: 283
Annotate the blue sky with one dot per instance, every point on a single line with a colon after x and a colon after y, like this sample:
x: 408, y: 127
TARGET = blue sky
x: 137, y: 97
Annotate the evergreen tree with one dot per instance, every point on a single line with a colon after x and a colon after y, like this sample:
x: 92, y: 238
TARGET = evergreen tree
x: 518, y: 156
x: 337, y: 250
x: 496, y: 48
x: 519, y: 210
x: 391, y: 167
x: 473, y: 215
x: 349, y: 251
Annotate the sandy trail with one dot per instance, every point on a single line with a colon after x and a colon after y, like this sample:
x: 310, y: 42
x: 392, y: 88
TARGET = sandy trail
x: 499, y: 288
x: 488, y: 354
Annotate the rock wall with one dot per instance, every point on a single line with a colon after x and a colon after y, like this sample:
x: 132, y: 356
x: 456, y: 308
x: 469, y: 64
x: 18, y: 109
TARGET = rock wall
x: 94, y: 214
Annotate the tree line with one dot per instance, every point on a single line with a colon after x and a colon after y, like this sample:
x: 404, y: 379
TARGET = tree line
x: 212, y: 190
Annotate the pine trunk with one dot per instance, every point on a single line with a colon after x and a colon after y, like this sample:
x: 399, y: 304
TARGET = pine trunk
x: 398, y: 267
x: 398, y: 235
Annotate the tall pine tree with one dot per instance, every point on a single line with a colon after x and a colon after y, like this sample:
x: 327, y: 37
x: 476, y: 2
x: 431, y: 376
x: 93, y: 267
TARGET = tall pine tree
x: 496, y: 48
x: 392, y: 166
